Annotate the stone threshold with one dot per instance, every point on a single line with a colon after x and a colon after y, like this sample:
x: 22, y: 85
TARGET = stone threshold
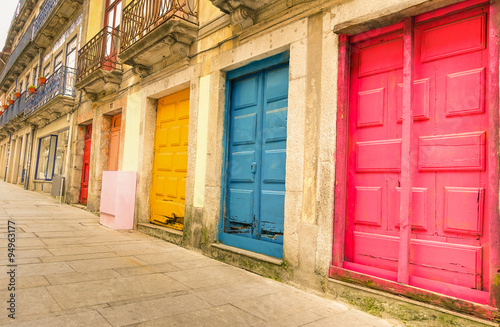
x: 387, y: 306
x: 254, y: 255
x: 167, y: 234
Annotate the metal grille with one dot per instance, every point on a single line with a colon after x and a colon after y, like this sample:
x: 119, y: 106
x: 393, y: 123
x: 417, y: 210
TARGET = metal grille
x: 141, y: 17
x: 98, y: 53
x: 45, y: 10
x: 62, y: 82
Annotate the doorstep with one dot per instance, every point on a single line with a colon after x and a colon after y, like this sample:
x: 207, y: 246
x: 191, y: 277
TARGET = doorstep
x: 261, y: 264
x: 167, y: 234
x: 389, y: 306
x: 254, y: 255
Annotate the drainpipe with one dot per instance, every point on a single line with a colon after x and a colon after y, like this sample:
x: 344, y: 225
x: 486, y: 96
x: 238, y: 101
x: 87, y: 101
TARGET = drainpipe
x: 28, y: 160
x: 7, y: 159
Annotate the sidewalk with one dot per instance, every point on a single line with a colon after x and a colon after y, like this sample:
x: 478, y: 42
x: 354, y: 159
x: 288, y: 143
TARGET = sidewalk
x: 71, y: 271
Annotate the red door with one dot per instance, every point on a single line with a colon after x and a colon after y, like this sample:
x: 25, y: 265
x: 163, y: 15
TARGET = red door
x: 84, y: 191
x: 448, y: 245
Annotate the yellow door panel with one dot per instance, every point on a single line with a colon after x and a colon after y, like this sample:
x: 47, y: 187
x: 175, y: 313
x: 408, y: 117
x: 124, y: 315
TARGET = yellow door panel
x: 180, y: 162
x: 164, y: 161
x: 168, y: 190
x: 172, y: 187
x: 162, y: 137
x: 183, y: 111
x: 167, y: 113
x: 182, y: 188
x: 159, y: 191
x: 175, y: 136
x: 184, y: 135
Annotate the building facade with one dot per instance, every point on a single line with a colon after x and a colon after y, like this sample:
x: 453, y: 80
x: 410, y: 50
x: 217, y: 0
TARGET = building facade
x: 344, y: 146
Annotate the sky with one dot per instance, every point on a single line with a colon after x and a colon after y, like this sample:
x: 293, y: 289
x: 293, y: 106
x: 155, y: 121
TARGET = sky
x: 7, y: 10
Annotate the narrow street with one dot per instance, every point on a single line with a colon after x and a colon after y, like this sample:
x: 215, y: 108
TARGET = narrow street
x: 71, y: 271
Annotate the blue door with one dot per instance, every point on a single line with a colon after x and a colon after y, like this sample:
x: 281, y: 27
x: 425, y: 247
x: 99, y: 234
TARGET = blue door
x: 256, y: 157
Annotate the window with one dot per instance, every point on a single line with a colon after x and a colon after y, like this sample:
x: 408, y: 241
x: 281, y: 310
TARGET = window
x: 113, y: 13
x: 58, y: 61
x: 113, y: 18
x: 46, y: 152
x: 28, y: 81
x: 61, y: 153
x: 46, y: 71
x: 71, y: 53
x: 21, y: 86
x: 35, y: 74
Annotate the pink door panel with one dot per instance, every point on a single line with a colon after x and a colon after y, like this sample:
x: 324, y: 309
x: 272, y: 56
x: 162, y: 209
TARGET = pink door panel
x: 448, y: 246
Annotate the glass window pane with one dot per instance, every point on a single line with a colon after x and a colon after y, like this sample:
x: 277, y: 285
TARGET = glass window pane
x: 35, y: 74
x: 58, y: 61
x: 71, y: 54
x: 46, y: 71
x: 52, y: 153
x: 118, y: 14
x: 43, y: 156
x: 61, y: 153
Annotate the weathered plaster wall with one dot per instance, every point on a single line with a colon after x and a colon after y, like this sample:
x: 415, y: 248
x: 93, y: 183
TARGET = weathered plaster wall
x: 131, y: 132
x: 95, y: 18
x: 201, y: 150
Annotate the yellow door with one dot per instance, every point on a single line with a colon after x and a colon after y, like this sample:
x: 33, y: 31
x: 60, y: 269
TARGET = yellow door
x: 168, y: 189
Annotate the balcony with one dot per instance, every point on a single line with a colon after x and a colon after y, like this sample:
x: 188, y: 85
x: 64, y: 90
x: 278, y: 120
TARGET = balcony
x: 21, y: 16
x: 13, y: 118
x: 157, y: 30
x: 53, y: 15
x: 53, y: 99
x: 22, y: 55
x: 98, y: 70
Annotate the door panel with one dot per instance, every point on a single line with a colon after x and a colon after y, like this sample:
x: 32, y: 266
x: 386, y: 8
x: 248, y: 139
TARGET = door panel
x: 170, y: 164
x: 84, y: 190
x: 256, y: 161
x: 448, y: 245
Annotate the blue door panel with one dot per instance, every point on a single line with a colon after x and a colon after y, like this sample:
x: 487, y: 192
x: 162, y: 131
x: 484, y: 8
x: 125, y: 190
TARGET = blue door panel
x: 245, y: 93
x: 277, y: 83
x: 245, y: 128
x: 242, y: 203
x: 256, y: 162
x: 241, y: 168
x: 275, y: 122
x: 272, y: 210
x: 273, y: 166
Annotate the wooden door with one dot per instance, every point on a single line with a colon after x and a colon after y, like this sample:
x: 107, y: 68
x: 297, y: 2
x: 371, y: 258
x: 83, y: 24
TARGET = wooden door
x: 255, y: 196
x: 449, y: 244
x: 114, y: 142
x: 84, y: 190
x: 168, y: 190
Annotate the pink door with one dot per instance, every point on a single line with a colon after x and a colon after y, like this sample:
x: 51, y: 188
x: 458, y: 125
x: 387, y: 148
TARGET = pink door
x: 114, y: 142
x: 449, y: 245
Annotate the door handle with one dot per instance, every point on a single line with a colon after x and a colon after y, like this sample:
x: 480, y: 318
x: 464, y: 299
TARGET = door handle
x: 253, y: 167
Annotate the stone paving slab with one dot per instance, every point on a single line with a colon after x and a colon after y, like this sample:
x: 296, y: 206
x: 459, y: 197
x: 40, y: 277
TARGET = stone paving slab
x: 71, y: 271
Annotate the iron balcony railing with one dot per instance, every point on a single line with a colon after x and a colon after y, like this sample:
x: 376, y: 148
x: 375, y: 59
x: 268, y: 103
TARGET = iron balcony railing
x: 15, y: 109
x: 98, y: 53
x: 21, y: 45
x: 62, y: 82
x: 30, y: 33
x: 141, y: 17
x: 45, y: 11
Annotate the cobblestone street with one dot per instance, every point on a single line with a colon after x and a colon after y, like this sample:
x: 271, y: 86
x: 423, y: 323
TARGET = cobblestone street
x: 71, y: 271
